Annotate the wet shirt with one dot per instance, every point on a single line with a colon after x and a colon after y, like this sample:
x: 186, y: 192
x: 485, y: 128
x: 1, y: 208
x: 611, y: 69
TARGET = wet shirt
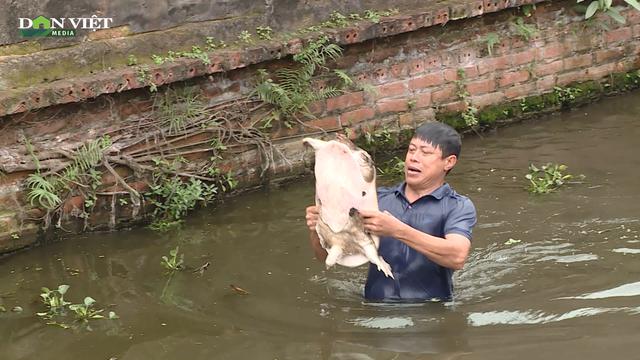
x: 416, y: 277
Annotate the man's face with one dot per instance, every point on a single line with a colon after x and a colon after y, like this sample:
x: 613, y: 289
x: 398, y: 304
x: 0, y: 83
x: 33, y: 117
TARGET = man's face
x: 424, y: 165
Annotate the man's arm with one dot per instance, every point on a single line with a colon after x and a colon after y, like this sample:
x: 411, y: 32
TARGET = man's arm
x: 450, y: 251
x: 312, y: 219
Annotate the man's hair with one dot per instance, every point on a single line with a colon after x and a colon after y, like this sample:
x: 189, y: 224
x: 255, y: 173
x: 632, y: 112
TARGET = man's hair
x: 440, y: 135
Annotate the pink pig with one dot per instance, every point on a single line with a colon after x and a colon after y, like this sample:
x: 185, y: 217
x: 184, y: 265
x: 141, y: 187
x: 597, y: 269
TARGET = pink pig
x: 345, y: 183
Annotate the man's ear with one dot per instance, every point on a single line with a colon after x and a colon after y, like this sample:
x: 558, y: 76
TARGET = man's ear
x: 450, y: 162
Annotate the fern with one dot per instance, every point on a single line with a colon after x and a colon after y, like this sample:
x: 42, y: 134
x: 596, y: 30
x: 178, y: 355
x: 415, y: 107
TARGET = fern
x: 177, y: 109
x: 45, y: 191
x: 41, y: 192
x: 293, y: 91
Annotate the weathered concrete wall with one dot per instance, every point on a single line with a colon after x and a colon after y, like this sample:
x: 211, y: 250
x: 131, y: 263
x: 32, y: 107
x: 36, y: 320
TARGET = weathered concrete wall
x: 413, y: 65
x: 141, y: 16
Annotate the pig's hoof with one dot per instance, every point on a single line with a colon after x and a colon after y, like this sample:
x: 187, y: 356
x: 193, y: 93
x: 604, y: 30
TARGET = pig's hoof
x: 385, y: 268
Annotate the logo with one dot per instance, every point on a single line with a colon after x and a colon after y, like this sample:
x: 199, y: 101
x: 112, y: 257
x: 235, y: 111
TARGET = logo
x: 60, y: 27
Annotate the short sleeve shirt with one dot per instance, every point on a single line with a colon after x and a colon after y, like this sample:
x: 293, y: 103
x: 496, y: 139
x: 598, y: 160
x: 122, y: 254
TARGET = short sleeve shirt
x: 417, y: 278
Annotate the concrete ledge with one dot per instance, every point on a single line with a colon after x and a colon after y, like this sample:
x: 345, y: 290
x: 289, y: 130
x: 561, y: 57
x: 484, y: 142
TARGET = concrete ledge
x: 78, y: 89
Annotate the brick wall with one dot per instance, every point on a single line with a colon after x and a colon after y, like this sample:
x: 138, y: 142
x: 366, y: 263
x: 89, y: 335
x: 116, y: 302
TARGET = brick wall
x: 413, y: 69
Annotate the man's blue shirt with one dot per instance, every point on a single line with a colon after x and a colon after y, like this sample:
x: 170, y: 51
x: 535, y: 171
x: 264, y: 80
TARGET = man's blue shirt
x: 416, y: 277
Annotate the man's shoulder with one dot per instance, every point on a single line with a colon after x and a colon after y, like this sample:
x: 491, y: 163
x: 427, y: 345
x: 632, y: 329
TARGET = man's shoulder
x: 459, y: 201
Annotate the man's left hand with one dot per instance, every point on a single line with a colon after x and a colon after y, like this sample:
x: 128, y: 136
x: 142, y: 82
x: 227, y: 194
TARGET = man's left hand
x: 380, y: 223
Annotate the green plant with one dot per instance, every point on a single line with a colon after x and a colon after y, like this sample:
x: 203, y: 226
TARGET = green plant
x: 132, y: 60
x: 264, y: 32
x: 54, y: 301
x: 605, y: 7
x: 45, y: 191
x: 157, y: 59
x: 42, y: 192
x: 527, y: 10
x: 195, y: 53
x: 523, y: 30
x: 492, y: 39
x: 245, y: 37
x: 374, y: 16
x: 336, y: 20
x: 392, y: 169
x: 212, y: 44
x: 566, y: 95
x: 177, y: 109
x: 144, y: 77
x: 547, y: 178
x: 173, y: 197
x: 294, y: 91
x: 470, y: 113
x: 173, y: 262
x: 85, y: 311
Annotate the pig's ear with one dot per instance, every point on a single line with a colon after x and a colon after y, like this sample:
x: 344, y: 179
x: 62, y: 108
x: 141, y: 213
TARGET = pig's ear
x: 316, y: 144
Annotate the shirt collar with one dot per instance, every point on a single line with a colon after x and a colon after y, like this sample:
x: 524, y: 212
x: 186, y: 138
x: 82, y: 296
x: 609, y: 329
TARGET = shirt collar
x: 438, y: 193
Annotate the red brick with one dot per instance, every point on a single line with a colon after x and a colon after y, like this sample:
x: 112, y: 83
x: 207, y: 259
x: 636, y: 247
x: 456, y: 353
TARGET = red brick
x: 450, y: 75
x: 398, y: 70
x: 598, y: 72
x: 580, y: 43
x: 406, y: 120
x: 327, y: 123
x: 632, y: 16
x: 481, y: 86
x: 423, y: 100
x: 432, y: 62
x: 426, y: 81
x: 391, y: 105
x: 524, y: 57
x: 471, y: 71
x: 513, y: 77
x: 574, y: 76
x: 636, y: 30
x: 621, y: 34
x: 519, y: 90
x: 487, y: 65
x: 546, y: 83
x: 381, y: 75
x: 609, y: 54
x: 444, y: 94
x: 551, y: 51
x: 316, y: 107
x: 487, y: 99
x: 550, y: 68
x: 624, y: 66
x: 345, y: 101
x: 457, y: 106
x: 576, y: 62
x: 391, y: 89
x: 426, y: 115
x: 416, y: 66
x: 356, y: 116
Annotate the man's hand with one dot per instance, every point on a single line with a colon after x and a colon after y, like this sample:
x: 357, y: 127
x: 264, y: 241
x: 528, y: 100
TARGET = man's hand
x: 312, y: 215
x: 380, y: 223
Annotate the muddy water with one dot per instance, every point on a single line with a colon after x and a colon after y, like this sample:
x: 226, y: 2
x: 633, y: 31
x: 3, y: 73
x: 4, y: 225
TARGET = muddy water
x: 568, y: 285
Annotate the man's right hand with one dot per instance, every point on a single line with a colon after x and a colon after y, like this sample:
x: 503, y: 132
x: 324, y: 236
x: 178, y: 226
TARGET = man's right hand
x: 312, y: 217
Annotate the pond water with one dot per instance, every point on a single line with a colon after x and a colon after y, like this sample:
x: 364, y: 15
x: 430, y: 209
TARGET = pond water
x: 566, y: 286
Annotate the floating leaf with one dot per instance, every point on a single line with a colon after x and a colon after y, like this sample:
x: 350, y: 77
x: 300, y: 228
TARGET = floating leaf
x: 88, y: 301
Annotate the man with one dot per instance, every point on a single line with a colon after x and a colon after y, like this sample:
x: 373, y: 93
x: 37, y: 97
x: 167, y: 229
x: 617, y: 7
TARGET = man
x: 424, y: 225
